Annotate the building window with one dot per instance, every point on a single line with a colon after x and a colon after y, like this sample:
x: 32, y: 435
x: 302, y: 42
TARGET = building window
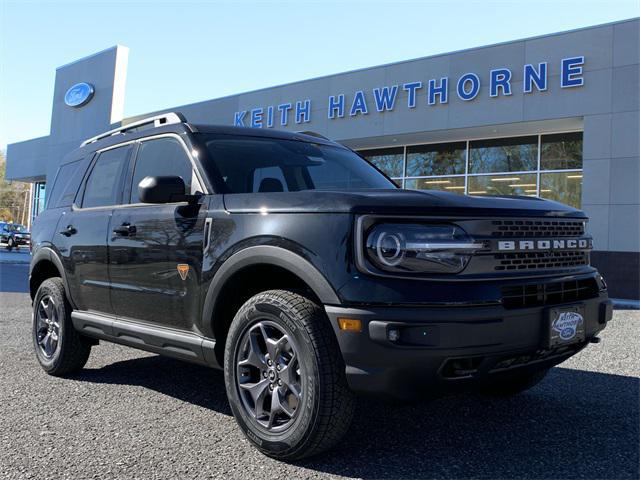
x: 436, y: 159
x: 39, y: 197
x: 564, y: 187
x: 447, y: 184
x: 389, y: 160
x: 504, y: 184
x: 548, y: 166
x: 561, y: 151
x: 517, y: 154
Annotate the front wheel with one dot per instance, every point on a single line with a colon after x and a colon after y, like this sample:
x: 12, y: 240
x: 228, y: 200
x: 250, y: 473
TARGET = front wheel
x: 285, y: 376
x: 10, y: 244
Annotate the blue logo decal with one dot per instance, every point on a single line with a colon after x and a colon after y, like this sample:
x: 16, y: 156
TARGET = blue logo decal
x: 567, y: 324
x: 79, y: 94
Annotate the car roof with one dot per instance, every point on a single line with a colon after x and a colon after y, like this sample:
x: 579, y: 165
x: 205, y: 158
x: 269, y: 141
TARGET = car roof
x: 181, y: 128
x: 262, y: 132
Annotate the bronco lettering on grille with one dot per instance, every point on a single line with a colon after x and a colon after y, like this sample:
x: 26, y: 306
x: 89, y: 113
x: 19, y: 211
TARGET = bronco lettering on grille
x: 553, y: 244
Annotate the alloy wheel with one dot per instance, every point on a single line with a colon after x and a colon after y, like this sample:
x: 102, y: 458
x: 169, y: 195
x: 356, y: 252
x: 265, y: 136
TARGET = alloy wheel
x: 268, y: 375
x: 47, y: 326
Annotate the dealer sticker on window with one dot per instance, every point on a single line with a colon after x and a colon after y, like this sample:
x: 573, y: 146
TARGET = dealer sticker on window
x: 566, y: 326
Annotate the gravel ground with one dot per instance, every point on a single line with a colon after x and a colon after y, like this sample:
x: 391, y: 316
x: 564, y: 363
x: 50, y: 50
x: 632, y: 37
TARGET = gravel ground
x: 131, y: 414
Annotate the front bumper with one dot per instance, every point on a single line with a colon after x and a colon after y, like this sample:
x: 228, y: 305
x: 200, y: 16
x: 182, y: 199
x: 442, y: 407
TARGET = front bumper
x: 447, y: 348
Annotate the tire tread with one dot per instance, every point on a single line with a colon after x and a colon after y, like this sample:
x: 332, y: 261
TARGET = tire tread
x: 336, y: 400
x: 75, y: 349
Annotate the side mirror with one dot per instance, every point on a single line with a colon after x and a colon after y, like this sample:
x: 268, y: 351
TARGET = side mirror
x: 167, y: 189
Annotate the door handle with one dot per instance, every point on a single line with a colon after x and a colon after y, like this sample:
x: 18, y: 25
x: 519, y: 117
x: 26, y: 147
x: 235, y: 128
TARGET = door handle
x: 70, y: 230
x: 125, y: 230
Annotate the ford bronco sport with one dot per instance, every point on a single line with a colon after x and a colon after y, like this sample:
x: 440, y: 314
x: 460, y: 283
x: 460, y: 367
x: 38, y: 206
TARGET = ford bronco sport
x: 301, y: 270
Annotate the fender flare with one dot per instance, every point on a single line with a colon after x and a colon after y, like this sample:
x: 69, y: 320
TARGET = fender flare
x: 267, y: 255
x: 47, y: 253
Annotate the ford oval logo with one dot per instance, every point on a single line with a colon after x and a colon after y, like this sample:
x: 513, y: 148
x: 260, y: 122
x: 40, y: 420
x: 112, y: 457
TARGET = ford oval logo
x: 79, y: 94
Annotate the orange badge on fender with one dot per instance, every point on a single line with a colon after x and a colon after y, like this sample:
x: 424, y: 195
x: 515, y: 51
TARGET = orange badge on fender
x: 183, y: 270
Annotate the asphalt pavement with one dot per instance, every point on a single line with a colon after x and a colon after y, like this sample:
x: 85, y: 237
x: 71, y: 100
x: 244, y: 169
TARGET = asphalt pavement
x: 131, y: 414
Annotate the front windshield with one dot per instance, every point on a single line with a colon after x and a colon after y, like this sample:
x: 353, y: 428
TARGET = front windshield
x: 17, y: 228
x: 248, y: 164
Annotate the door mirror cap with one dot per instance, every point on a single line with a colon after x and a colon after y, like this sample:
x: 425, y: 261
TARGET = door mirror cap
x: 163, y: 189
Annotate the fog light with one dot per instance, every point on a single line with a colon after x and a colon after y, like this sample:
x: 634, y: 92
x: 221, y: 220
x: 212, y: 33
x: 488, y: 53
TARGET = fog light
x: 350, y: 324
x: 393, y: 334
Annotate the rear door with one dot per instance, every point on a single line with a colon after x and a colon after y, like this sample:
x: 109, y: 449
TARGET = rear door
x: 81, y: 233
x: 156, y: 249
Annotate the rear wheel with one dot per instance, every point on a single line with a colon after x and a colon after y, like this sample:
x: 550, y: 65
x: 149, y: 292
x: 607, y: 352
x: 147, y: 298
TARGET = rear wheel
x: 60, y: 349
x: 506, y: 387
x: 285, y: 376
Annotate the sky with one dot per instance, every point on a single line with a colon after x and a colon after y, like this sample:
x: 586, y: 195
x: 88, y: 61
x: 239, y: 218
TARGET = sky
x: 184, y: 51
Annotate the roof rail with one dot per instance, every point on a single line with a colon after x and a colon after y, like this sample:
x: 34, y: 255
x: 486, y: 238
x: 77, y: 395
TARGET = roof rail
x: 156, y: 121
x: 313, y: 134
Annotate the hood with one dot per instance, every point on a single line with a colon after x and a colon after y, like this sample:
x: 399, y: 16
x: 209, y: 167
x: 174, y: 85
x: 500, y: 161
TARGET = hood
x: 395, y: 201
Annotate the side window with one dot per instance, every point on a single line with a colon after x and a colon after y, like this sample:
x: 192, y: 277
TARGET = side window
x: 105, y: 180
x: 66, y: 185
x: 160, y: 157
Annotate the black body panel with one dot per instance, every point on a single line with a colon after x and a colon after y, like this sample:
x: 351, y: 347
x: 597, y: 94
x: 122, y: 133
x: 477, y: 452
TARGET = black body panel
x: 145, y: 282
x: 81, y: 241
x: 397, y: 202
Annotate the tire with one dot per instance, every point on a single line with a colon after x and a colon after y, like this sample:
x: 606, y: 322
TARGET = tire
x: 65, y: 351
x: 514, y: 385
x: 10, y: 244
x: 307, y: 424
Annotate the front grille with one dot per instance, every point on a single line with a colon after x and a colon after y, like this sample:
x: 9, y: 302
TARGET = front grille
x: 537, y: 228
x: 540, y: 260
x: 554, y: 293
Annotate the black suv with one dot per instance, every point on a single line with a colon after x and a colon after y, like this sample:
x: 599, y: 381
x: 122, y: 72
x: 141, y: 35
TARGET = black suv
x: 301, y: 270
x: 14, y: 235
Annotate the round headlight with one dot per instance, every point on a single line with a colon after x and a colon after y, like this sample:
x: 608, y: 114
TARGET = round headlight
x: 390, y: 248
x: 416, y: 248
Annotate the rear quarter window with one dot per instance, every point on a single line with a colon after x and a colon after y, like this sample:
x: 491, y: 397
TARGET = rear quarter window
x: 66, y: 184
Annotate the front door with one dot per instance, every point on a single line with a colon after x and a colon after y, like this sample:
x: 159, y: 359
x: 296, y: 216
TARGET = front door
x: 156, y: 250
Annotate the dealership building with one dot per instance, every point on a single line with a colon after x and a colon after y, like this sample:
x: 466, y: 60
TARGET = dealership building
x: 555, y: 116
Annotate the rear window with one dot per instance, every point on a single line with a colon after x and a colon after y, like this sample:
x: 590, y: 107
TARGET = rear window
x: 254, y: 164
x: 66, y: 184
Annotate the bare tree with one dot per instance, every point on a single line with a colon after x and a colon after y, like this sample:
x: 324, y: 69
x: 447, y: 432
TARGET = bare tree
x: 14, y: 203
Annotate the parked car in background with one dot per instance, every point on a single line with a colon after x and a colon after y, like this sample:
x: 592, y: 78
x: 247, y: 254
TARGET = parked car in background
x: 14, y: 235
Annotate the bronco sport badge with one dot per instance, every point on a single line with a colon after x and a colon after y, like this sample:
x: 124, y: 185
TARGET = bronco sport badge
x: 183, y: 270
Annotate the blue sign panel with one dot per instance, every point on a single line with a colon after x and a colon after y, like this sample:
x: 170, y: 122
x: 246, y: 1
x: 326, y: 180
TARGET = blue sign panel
x: 430, y: 93
x: 79, y: 94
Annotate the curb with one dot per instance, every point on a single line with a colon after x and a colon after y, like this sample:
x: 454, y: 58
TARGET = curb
x: 14, y: 262
x: 623, y: 303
